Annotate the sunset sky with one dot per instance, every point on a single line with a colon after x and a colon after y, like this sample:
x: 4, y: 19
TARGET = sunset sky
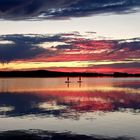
x: 70, y: 35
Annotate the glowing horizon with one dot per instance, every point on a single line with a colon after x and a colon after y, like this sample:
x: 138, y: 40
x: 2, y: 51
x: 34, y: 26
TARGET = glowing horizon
x: 70, y: 52
x: 63, y: 35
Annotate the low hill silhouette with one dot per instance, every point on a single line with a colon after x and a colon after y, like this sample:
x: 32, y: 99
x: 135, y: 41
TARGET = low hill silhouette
x: 45, y: 73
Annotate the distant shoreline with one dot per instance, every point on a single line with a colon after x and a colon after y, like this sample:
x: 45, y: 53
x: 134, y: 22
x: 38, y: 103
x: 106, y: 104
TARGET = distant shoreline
x: 45, y: 74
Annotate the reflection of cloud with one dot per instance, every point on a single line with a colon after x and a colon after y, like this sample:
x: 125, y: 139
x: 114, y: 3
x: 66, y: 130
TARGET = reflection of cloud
x: 2, y: 42
x: 60, y: 103
x: 45, y: 135
x: 6, y: 109
x: 51, y: 106
x: 63, y: 9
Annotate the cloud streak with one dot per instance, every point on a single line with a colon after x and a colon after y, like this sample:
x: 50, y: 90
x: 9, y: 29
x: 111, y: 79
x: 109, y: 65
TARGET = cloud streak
x: 21, y: 47
x: 63, y: 9
x: 68, y: 50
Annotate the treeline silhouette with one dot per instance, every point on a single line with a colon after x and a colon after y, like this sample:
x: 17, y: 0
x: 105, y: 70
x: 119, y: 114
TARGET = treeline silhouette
x: 45, y: 73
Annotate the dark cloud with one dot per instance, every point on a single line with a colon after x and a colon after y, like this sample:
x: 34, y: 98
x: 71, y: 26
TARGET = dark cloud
x: 63, y: 9
x: 129, y: 45
x: 65, y: 47
x: 24, y: 46
x: 19, y: 49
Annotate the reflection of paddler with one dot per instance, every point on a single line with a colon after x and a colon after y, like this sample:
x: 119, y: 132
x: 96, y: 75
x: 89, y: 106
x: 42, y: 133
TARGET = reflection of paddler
x: 68, y: 80
x: 80, y: 81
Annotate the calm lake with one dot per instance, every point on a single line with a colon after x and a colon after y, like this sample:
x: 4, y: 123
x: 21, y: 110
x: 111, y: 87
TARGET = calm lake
x: 96, y: 108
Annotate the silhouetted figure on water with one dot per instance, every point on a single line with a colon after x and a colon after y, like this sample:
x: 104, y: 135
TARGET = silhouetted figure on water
x: 80, y: 80
x: 68, y: 80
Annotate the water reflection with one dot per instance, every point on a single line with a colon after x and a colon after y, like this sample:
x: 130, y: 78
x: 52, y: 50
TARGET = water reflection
x: 86, y: 102
x: 44, y: 135
x: 59, y: 102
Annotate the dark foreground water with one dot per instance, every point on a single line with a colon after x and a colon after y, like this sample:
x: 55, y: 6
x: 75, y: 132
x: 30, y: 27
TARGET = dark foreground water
x: 50, y: 109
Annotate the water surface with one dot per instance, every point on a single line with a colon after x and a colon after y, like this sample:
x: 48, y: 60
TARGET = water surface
x: 99, y: 108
